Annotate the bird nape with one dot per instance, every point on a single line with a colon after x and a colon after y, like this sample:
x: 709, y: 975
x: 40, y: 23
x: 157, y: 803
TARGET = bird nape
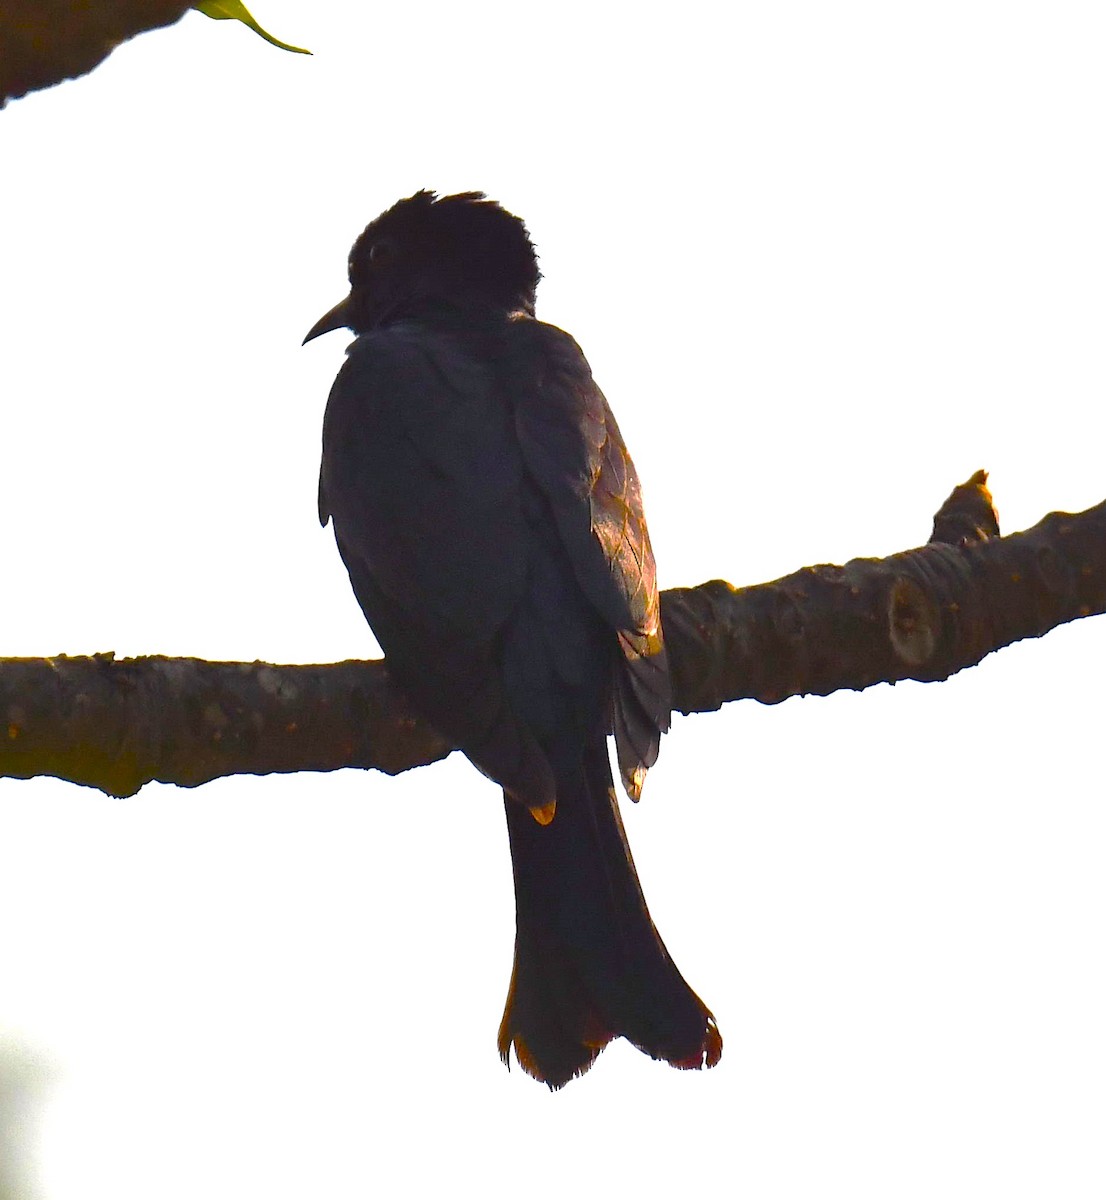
x: 490, y: 519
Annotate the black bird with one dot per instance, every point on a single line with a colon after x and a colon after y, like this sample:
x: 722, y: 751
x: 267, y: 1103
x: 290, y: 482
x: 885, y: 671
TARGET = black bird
x: 490, y: 519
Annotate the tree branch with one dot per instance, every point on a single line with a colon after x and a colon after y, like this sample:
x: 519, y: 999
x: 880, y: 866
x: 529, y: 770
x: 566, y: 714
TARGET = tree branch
x: 923, y: 614
x: 46, y: 41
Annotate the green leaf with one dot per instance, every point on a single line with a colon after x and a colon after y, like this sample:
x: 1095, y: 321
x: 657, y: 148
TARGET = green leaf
x: 234, y: 10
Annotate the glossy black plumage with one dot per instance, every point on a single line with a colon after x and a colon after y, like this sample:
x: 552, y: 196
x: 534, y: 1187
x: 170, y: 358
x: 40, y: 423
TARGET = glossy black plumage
x: 491, y: 522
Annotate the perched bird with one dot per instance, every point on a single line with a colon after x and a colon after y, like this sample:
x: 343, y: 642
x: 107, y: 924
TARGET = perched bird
x: 490, y: 519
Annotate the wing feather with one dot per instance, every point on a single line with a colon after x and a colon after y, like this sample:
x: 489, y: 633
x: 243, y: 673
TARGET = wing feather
x: 572, y: 447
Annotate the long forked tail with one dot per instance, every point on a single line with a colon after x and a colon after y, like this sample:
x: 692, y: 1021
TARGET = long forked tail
x: 589, y: 963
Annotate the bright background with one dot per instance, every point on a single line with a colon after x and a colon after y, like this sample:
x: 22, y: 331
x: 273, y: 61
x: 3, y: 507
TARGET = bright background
x: 826, y: 261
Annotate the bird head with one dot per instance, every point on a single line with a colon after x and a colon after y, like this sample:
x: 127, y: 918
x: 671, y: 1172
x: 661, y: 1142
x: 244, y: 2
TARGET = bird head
x: 460, y: 252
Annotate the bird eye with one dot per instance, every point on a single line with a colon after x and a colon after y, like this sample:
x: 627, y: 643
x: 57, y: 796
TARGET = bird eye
x: 381, y: 251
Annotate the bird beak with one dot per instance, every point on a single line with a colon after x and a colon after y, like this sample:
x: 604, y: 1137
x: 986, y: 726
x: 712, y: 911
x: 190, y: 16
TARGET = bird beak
x: 337, y: 318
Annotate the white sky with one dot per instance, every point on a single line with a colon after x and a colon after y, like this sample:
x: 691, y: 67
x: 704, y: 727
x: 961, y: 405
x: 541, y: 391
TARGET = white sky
x: 826, y: 261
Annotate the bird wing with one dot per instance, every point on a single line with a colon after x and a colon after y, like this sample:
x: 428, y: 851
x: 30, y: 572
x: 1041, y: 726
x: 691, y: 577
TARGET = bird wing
x: 572, y: 448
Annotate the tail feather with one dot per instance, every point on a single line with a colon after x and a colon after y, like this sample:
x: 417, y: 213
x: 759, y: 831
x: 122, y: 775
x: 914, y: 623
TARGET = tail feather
x: 589, y: 963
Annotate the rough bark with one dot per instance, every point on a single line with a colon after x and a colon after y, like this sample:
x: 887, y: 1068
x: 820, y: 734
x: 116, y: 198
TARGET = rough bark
x: 923, y: 614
